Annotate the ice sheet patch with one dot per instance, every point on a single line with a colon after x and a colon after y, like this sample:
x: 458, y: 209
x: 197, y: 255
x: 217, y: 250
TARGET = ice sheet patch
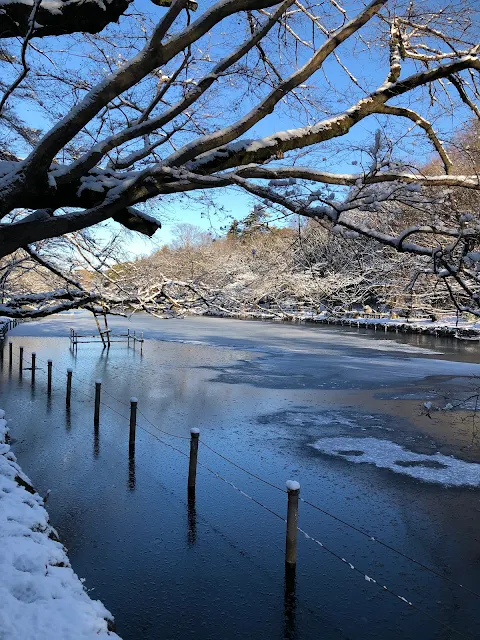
x: 436, y: 468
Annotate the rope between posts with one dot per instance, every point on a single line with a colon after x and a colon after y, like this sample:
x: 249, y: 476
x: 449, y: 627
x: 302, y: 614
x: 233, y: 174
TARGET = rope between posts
x: 304, y: 608
x: 125, y: 404
x: 381, y: 586
x: 321, y: 544
x: 266, y: 482
x: 303, y: 532
x: 250, y: 473
x: 173, y: 435
x: 347, y: 524
x: 387, y: 546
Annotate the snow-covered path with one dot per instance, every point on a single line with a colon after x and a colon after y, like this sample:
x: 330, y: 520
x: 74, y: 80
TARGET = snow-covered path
x: 41, y: 598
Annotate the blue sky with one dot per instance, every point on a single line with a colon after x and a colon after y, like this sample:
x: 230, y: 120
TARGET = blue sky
x: 367, y: 70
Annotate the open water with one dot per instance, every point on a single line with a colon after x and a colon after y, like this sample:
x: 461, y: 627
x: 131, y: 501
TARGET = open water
x: 339, y: 410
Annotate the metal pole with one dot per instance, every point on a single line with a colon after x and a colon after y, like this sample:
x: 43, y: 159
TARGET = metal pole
x: 10, y: 354
x: 293, y: 490
x: 192, y: 467
x: 21, y: 361
x: 34, y: 357
x: 133, y: 422
x: 69, y: 387
x: 49, y: 376
x: 96, y: 416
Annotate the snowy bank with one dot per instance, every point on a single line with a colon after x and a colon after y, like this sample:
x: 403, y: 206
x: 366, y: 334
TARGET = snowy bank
x: 446, y: 327
x: 5, y: 325
x: 40, y: 596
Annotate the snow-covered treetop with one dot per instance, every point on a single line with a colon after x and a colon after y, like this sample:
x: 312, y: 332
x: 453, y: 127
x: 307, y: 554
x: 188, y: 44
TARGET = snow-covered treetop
x: 170, y: 103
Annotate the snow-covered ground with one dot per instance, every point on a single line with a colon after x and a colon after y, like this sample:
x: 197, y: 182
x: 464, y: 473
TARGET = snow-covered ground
x: 3, y: 321
x: 447, y: 326
x: 41, y: 598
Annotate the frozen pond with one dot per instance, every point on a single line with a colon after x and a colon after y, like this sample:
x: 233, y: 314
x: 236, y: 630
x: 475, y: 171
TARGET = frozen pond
x: 339, y: 410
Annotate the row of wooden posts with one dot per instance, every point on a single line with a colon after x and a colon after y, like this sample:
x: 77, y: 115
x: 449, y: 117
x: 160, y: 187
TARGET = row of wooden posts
x: 5, y: 328
x: 293, y: 488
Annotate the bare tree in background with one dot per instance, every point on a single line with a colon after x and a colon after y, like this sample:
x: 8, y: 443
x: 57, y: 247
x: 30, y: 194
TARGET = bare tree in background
x: 172, y: 103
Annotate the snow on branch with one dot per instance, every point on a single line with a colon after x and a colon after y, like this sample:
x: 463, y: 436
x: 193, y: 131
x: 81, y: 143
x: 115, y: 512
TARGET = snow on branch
x: 55, y: 17
x: 169, y: 108
x: 137, y: 220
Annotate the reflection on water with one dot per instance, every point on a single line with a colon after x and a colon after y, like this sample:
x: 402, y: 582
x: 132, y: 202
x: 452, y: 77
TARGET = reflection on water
x: 191, y: 518
x: 261, y: 395
x: 96, y: 440
x: 131, y: 467
x: 290, y: 602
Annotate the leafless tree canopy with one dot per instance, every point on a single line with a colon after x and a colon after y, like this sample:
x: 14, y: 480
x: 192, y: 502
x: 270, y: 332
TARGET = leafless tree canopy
x: 251, y: 95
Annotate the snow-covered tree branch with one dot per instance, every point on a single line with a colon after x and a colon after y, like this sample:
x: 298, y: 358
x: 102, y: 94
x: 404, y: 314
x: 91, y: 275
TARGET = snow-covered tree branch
x: 191, y: 98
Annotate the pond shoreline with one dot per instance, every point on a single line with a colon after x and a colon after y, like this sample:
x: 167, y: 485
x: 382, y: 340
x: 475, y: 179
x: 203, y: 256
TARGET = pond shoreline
x: 39, y: 587
x: 465, y: 331
x: 262, y: 394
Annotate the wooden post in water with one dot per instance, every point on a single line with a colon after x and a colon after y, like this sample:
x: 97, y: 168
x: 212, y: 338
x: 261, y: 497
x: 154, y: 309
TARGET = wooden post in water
x: 293, y: 489
x: 49, y: 376
x: 133, y: 422
x: 141, y: 344
x: 69, y: 387
x: 20, y: 366
x: 34, y: 357
x: 134, y: 338
x: 107, y: 330
x: 128, y: 337
x: 99, y: 329
x: 96, y: 415
x: 10, y: 354
x: 192, y: 467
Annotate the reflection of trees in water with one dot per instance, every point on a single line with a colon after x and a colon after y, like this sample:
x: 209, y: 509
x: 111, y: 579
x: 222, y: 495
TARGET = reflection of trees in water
x: 467, y: 402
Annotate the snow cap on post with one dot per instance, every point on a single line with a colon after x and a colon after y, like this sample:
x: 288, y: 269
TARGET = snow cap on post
x: 292, y: 485
x: 133, y: 399
x: 98, y: 381
x: 69, y: 370
x: 194, y: 431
